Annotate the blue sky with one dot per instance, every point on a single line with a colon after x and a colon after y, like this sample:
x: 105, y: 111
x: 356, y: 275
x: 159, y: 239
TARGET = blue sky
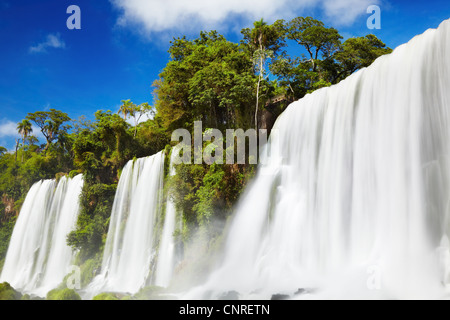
x: 122, y: 45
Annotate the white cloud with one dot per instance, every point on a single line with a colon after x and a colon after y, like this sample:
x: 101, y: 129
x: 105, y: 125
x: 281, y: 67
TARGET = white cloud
x: 187, y: 15
x: 344, y: 12
x: 8, y: 134
x: 51, y: 41
x: 8, y: 129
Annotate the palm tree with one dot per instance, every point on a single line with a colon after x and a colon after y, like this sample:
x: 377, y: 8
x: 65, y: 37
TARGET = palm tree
x: 126, y: 108
x: 25, y: 129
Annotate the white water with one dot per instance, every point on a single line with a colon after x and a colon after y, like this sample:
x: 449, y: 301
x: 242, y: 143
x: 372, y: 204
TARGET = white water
x: 38, y: 257
x: 129, y: 249
x: 355, y: 202
x: 166, y: 252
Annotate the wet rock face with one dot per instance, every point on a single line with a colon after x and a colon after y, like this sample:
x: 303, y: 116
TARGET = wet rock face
x: 279, y: 297
x: 8, y: 203
x: 299, y: 292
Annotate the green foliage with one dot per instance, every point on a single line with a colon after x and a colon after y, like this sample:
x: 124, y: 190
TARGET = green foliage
x: 209, y: 194
x: 204, y: 193
x: 264, y: 37
x: 24, y: 128
x: 51, y: 124
x: 357, y: 53
x: 318, y: 40
x: 209, y: 79
x: 6, y: 229
x: 112, y: 296
x: 8, y: 293
x: 90, y: 268
x: 63, y: 294
x: 126, y: 108
x: 151, y: 137
x: 263, y: 41
x: 92, y: 224
x: 327, y: 60
x: 17, y: 178
x: 100, y: 152
x: 106, y: 296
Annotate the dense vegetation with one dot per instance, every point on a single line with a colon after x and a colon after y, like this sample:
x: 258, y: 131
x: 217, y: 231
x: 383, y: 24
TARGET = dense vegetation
x: 224, y: 84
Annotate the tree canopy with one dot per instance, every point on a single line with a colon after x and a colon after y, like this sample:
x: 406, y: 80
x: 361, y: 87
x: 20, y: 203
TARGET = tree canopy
x: 51, y: 124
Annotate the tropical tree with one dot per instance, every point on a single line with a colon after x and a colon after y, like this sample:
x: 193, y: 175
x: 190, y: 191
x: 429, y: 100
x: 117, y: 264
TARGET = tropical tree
x: 357, y: 53
x: 127, y: 108
x: 264, y: 41
x: 51, y: 124
x: 24, y: 128
x: 31, y: 140
x: 209, y: 79
x: 318, y: 40
x: 326, y: 60
x: 138, y: 112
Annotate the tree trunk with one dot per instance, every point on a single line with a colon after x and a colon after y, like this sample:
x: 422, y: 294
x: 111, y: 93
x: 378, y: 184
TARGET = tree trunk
x: 118, y: 145
x: 47, y: 146
x: 261, y: 71
x: 17, y: 147
x: 257, y: 103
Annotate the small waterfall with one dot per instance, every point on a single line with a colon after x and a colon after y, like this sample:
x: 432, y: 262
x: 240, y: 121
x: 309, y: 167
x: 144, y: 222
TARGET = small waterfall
x: 38, y: 256
x: 129, y: 250
x: 166, y: 252
x: 355, y: 203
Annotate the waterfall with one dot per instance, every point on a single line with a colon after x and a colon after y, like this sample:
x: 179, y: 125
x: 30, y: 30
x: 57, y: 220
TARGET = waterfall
x: 129, y: 249
x: 353, y: 199
x: 166, y: 252
x: 38, y: 257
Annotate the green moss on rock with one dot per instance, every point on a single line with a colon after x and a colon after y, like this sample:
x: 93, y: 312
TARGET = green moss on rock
x: 8, y: 293
x: 63, y: 294
x: 106, y: 296
x: 25, y: 297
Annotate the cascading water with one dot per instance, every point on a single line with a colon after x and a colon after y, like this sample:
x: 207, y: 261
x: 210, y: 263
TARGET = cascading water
x: 129, y: 249
x: 353, y: 200
x: 38, y: 257
x: 166, y: 252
